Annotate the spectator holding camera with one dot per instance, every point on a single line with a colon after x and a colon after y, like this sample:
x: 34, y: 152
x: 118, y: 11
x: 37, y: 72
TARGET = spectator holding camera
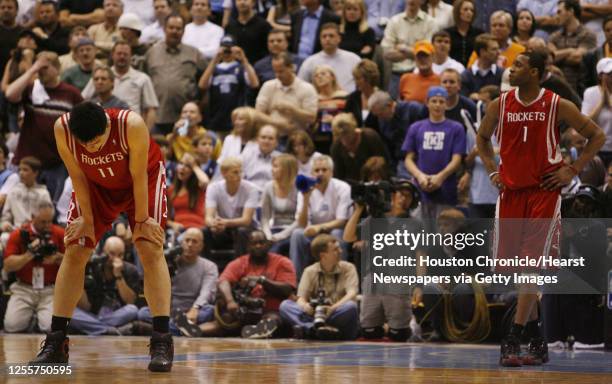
x: 194, y: 285
x: 23, y: 199
x: 226, y: 79
x: 111, y: 289
x: 34, y: 252
x: 326, y: 308
x: 322, y: 209
x: 263, y: 275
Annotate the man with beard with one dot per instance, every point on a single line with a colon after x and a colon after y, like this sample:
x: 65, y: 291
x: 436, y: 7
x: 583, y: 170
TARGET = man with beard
x: 272, y: 278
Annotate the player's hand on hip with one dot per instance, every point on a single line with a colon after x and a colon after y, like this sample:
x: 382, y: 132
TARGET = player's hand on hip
x: 149, y: 230
x: 497, y: 183
x: 557, y: 179
x: 77, y: 229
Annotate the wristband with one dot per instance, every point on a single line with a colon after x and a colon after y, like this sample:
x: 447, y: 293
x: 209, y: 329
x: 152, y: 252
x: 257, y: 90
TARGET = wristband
x: 574, y: 169
x: 493, y: 174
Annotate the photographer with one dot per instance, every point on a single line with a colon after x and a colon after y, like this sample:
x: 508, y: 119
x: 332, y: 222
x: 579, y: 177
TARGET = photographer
x: 251, y: 289
x: 226, y: 79
x: 326, y: 307
x: 34, y: 252
x: 579, y: 317
x: 111, y: 288
x: 392, y: 309
x: 194, y: 284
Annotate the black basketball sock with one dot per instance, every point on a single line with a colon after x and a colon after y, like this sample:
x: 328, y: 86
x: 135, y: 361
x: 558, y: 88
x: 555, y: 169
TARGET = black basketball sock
x: 160, y: 324
x: 59, y: 324
x: 532, y: 329
x: 516, y: 330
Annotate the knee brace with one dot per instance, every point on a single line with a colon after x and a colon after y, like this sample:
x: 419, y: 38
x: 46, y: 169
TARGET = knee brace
x: 399, y: 334
x: 373, y: 332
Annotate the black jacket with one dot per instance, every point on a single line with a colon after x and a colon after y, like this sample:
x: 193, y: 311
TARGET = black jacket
x: 297, y: 18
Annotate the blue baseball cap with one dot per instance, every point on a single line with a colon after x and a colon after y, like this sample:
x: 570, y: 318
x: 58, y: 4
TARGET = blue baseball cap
x: 437, y: 91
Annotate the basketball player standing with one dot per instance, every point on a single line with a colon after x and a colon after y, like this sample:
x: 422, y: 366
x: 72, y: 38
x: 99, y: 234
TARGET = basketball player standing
x: 115, y: 167
x: 531, y: 174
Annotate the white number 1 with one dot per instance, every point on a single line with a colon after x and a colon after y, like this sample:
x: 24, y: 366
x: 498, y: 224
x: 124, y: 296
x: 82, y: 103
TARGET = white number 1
x: 525, y: 134
x: 109, y: 170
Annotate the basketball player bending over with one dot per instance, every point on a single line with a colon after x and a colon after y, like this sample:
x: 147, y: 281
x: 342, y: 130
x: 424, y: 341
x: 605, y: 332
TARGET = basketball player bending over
x: 530, y: 177
x: 115, y: 167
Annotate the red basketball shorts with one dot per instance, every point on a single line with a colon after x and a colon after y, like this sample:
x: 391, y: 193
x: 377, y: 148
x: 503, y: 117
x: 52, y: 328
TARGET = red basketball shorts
x: 107, y: 204
x: 528, y: 225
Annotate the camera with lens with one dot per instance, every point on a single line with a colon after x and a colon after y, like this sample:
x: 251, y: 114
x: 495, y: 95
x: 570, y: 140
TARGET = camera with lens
x: 250, y: 308
x: 320, y: 304
x: 172, y: 255
x: 376, y: 196
x: 44, y: 248
x: 94, y: 272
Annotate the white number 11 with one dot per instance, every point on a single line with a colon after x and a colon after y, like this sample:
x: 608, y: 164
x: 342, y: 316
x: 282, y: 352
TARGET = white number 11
x: 104, y: 174
x: 525, y: 134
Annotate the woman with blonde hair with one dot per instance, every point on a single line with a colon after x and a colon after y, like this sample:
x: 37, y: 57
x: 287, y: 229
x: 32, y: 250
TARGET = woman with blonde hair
x: 357, y: 36
x: 367, y: 80
x: 332, y: 100
x: 246, y: 122
x: 279, y: 203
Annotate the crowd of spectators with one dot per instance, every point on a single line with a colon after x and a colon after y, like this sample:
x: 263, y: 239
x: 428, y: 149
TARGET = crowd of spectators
x: 246, y: 96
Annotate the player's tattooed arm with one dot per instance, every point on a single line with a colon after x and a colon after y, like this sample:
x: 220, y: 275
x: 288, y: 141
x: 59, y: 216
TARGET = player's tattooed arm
x: 80, y: 186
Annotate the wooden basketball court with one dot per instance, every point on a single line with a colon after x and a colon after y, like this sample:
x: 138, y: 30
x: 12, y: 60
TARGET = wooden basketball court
x: 235, y: 361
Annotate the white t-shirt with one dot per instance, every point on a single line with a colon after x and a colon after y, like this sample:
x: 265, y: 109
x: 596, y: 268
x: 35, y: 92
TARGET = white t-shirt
x: 10, y: 182
x: 306, y: 168
x: 444, y: 15
x: 152, y: 33
x: 232, y: 147
x: 231, y: 207
x: 334, y: 204
x: 449, y: 63
x: 142, y: 8
x: 205, y: 37
x: 342, y: 62
x: 592, y: 97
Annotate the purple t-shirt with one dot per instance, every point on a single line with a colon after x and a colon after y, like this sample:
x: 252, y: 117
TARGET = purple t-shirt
x: 434, y: 145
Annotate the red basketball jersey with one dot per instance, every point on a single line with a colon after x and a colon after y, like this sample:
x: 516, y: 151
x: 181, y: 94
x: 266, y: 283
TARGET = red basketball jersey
x: 109, y: 168
x: 528, y: 137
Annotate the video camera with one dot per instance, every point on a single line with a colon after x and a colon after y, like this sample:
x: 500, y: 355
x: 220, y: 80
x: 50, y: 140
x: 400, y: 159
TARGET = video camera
x: 376, y: 196
x: 250, y: 308
x: 93, y: 273
x: 320, y: 304
x: 44, y: 248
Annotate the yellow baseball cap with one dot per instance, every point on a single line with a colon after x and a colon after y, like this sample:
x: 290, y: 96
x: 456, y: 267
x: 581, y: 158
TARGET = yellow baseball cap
x: 423, y: 46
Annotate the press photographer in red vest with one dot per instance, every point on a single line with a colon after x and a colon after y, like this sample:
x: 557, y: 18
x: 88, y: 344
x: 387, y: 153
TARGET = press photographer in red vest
x: 34, y: 252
